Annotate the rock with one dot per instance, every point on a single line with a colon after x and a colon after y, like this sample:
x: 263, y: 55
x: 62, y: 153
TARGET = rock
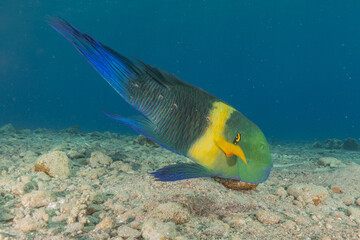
x: 5, y: 214
x: 281, y: 192
x: 235, y: 220
x: 99, y: 159
x: 267, y: 217
x: 107, y: 222
x: 145, y: 141
x: 153, y: 229
x: 29, y: 224
x: 91, y: 208
x: 217, y: 228
x: 18, y: 189
x: 289, y: 225
x: 358, y: 202
x: 348, y: 200
x: 56, y: 164
x: 41, y: 215
x: 8, y: 128
x: 330, y: 161
x: 333, y: 144
x: 43, y: 176
x: 74, y: 227
x: 71, y: 130
x: 97, y: 198
x: 336, y: 189
x: 351, y: 144
x: 354, y: 212
x: 308, y: 193
x: 75, y: 154
x: 36, y: 199
x: 124, y: 167
x: 171, y: 212
x: 317, y: 145
x: 128, y: 232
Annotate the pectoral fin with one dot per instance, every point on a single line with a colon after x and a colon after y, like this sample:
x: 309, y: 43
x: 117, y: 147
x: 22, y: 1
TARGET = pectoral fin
x: 182, y: 171
x: 230, y: 149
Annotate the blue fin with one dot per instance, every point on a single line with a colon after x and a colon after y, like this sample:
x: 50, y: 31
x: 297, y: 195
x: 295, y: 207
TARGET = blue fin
x: 181, y: 171
x: 140, y: 124
x: 116, y: 69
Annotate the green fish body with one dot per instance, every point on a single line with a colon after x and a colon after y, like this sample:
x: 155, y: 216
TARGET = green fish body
x: 179, y: 116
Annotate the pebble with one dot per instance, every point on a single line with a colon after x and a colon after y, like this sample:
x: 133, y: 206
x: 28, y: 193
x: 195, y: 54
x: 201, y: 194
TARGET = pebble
x: 128, y: 232
x: 107, y: 222
x: 8, y: 128
x: 217, y: 228
x: 74, y: 227
x: 36, y: 199
x: 267, y: 217
x: 171, y: 212
x: 29, y: 224
x: 55, y: 163
x: 348, y: 200
x: 281, y: 192
x: 99, y: 159
x: 40, y: 214
x: 43, y: 176
x: 358, y: 201
x: 235, y: 220
x: 308, y: 193
x: 75, y: 154
x: 18, y: 189
x: 330, y: 161
x: 289, y: 225
x: 153, y: 229
x: 336, y: 190
x: 354, y: 212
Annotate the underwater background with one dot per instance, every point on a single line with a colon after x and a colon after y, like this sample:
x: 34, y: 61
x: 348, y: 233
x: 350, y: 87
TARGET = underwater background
x: 291, y: 67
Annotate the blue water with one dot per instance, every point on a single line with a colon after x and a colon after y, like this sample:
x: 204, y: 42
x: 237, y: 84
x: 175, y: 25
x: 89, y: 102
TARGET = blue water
x: 292, y: 67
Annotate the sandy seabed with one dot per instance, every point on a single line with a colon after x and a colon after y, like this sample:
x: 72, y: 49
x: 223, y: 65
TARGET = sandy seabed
x: 71, y: 185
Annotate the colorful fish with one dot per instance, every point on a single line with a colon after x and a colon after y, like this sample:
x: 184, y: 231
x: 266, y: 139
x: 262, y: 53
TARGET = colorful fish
x: 180, y: 117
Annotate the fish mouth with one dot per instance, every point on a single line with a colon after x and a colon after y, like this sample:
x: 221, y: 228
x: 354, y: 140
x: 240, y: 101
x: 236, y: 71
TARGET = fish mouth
x: 253, y: 173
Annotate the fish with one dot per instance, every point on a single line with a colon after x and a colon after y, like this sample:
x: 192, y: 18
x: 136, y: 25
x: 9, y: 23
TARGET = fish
x: 185, y: 119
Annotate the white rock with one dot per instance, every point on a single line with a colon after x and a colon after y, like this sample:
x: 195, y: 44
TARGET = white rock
x: 28, y: 224
x: 153, y: 229
x: 98, y: 159
x: 308, y: 193
x: 330, y: 161
x: 74, y: 227
x: 128, y: 232
x: 36, y: 199
x: 267, y: 217
x: 56, y: 164
x: 354, y: 212
x: 107, y: 222
x: 171, y: 212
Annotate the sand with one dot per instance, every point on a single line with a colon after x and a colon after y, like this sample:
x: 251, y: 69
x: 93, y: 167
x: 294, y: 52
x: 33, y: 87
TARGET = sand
x: 97, y: 186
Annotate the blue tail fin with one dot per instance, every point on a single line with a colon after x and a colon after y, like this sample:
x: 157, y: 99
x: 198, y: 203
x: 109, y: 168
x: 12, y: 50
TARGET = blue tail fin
x: 116, y: 69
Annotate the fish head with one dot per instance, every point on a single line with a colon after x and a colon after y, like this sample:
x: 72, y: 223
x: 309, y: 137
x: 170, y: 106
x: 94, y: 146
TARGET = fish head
x: 248, y: 158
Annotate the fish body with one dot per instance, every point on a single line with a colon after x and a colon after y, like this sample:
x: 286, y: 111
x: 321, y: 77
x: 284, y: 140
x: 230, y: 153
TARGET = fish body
x: 179, y: 116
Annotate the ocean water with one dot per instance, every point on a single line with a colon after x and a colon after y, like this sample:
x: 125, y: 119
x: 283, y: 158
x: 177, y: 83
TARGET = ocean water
x: 292, y: 67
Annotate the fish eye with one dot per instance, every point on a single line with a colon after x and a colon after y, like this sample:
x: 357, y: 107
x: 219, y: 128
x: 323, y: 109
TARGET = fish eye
x: 262, y: 147
x: 237, y: 138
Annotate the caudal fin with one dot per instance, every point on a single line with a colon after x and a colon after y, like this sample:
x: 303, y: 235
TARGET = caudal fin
x: 116, y: 69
